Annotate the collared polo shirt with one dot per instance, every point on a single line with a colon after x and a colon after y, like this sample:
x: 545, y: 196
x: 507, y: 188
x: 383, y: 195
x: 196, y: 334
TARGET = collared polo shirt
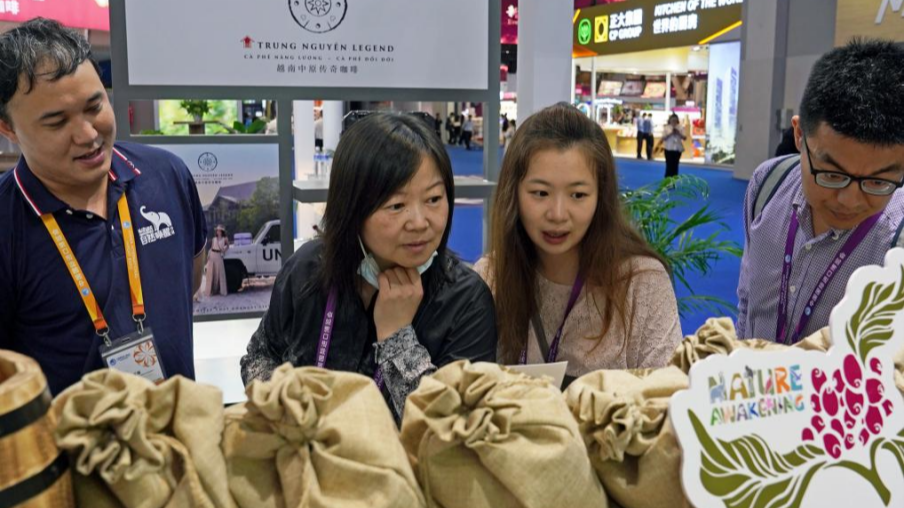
x: 41, y: 312
x: 759, y: 286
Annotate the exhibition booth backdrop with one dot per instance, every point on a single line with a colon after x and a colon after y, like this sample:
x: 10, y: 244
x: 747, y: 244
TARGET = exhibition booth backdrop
x: 293, y: 53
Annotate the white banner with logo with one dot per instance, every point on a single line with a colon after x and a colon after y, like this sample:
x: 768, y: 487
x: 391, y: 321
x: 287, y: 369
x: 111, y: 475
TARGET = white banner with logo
x: 435, y: 44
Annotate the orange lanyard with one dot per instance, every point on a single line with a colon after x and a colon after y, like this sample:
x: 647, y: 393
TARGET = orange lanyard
x: 81, y: 283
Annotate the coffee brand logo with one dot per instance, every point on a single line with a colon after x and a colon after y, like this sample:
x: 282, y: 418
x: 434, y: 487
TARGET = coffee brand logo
x: 207, y: 162
x: 318, y: 16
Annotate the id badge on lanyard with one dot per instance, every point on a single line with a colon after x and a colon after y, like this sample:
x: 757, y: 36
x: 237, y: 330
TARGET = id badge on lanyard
x: 140, y: 345
x: 136, y: 354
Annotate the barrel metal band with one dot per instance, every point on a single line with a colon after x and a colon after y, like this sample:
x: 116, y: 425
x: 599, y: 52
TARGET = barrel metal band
x: 25, y: 415
x: 33, y: 486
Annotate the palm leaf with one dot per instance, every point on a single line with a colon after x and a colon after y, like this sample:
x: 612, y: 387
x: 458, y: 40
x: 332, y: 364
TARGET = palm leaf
x: 871, y: 325
x: 712, y: 305
x: 746, y: 473
x: 649, y: 208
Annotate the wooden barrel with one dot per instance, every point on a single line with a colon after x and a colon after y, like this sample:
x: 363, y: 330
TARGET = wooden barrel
x: 33, y: 471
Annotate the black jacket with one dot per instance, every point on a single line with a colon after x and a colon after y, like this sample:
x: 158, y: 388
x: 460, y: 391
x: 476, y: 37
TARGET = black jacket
x: 456, y: 320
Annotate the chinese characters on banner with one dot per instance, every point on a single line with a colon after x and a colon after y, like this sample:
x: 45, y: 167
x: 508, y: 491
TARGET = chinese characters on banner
x: 683, y: 15
x: 9, y: 6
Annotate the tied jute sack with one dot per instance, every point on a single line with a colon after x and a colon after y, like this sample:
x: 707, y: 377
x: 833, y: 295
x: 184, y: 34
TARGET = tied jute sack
x: 623, y: 418
x: 717, y: 336
x: 140, y: 445
x: 311, y: 437
x: 480, y: 436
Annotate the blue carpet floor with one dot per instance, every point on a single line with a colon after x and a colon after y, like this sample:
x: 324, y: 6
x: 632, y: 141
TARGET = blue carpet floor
x: 726, y: 198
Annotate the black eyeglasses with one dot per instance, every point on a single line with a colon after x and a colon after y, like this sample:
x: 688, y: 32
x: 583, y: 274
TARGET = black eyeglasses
x: 837, y: 180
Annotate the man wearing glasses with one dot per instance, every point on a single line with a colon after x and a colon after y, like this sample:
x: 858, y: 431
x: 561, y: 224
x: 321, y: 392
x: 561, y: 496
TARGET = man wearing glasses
x: 811, y: 220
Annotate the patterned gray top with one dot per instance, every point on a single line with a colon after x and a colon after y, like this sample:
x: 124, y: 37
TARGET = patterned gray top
x: 403, y: 361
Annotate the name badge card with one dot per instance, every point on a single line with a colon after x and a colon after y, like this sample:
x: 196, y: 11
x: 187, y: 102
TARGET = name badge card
x: 136, y: 354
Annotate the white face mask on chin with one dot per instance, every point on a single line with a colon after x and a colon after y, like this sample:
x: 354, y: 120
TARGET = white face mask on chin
x: 370, y: 270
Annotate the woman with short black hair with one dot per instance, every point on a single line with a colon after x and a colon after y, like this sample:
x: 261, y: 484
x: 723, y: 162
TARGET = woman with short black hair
x: 378, y: 292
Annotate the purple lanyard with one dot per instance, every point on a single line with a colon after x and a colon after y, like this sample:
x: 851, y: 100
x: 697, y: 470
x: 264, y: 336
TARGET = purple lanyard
x: 554, y: 347
x: 856, y: 238
x: 326, y: 335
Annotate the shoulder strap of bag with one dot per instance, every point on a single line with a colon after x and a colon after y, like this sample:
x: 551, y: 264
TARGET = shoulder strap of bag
x: 898, y: 240
x: 773, y: 181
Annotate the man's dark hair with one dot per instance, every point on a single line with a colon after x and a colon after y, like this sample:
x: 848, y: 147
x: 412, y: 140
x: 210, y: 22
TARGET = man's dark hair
x: 38, y: 45
x: 858, y: 91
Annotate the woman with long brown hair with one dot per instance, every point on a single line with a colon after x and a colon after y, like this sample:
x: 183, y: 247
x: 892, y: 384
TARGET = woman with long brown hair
x: 571, y: 277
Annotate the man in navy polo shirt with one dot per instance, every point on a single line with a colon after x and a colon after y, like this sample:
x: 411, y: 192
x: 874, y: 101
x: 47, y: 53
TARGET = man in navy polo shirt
x: 64, y: 234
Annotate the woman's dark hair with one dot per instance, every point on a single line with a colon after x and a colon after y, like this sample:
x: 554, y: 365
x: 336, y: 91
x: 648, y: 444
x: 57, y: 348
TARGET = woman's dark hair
x: 38, y: 48
x: 858, y: 91
x: 376, y: 157
x: 606, y: 250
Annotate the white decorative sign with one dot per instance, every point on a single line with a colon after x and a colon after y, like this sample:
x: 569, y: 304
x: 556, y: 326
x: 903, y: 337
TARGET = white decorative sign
x: 795, y: 428
x: 436, y: 44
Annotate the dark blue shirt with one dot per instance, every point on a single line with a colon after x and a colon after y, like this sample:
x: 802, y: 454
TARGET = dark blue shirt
x: 41, y: 312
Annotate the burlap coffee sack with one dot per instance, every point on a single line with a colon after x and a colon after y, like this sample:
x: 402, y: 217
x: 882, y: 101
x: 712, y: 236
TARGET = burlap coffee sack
x: 718, y: 336
x: 139, y: 445
x: 311, y: 437
x: 479, y: 436
x: 623, y: 419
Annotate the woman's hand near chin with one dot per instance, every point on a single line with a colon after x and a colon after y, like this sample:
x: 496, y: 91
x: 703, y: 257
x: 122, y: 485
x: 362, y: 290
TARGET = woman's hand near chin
x: 400, y: 296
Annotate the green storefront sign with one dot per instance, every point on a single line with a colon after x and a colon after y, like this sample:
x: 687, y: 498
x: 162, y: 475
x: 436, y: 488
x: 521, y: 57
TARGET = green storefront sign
x: 641, y: 25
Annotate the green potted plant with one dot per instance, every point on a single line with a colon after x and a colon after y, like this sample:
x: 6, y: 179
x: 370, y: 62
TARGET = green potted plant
x: 256, y: 127
x: 196, y: 108
x: 649, y: 208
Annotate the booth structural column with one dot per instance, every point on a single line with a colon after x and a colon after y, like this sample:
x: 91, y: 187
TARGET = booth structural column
x: 303, y: 138
x: 762, y: 89
x: 544, y: 54
x: 668, y: 93
x: 593, y: 107
x: 332, y: 124
x: 303, y: 141
x: 574, y: 80
x: 144, y: 116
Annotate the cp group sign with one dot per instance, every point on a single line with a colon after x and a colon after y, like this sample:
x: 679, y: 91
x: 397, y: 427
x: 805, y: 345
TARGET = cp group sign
x: 641, y: 25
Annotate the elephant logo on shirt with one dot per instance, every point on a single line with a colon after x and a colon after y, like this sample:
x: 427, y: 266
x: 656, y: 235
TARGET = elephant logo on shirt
x: 159, y: 220
x: 161, y: 226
